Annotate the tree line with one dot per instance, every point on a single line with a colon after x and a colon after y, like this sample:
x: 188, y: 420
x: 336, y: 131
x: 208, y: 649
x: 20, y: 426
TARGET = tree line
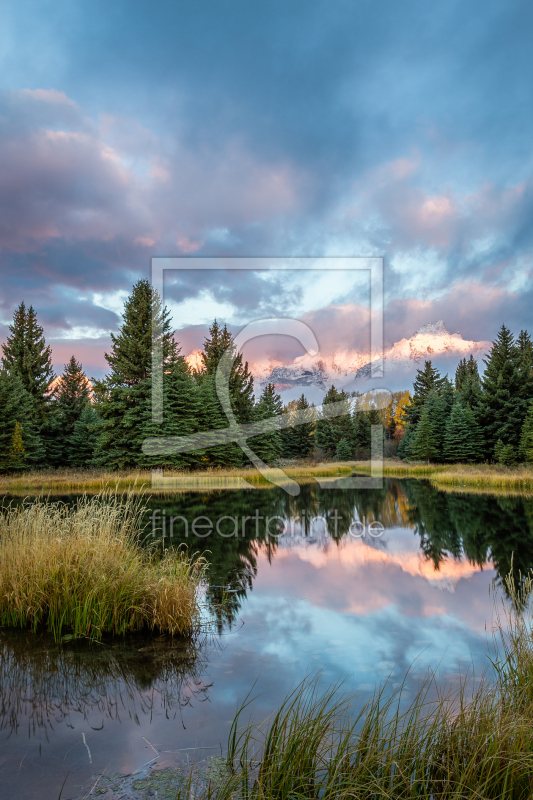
x: 476, y: 418
x: 71, y: 421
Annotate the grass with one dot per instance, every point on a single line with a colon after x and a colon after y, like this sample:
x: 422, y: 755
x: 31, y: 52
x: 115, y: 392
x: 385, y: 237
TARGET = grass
x: 67, y: 481
x: 467, y: 743
x: 481, y: 476
x: 82, y: 569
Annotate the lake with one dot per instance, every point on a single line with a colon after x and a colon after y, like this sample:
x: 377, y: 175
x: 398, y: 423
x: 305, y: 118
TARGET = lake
x: 363, y: 585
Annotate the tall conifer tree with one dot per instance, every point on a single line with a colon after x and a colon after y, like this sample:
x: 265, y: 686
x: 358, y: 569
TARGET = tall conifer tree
x: 124, y: 393
x: 268, y: 446
x: 18, y: 426
x: 424, y: 447
x: 26, y: 354
x: 526, y: 437
x: 503, y: 405
x: 427, y: 380
x: 301, y: 435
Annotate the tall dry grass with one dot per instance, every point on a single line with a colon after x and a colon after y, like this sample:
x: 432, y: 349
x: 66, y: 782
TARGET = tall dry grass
x: 82, y: 569
x: 481, y: 476
x: 474, y: 741
x: 69, y: 481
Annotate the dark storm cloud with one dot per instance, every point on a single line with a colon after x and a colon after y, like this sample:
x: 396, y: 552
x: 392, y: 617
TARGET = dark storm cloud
x: 131, y: 130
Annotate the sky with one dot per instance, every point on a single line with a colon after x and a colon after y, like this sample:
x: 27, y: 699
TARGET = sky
x: 130, y: 130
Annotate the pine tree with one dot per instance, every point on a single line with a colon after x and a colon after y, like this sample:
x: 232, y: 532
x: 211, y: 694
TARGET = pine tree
x: 27, y: 355
x: 268, y: 446
x: 424, y: 447
x: 526, y: 437
x: 84, y: 438
x: 122, y: 397
x: 344, y: 450
x: 504, y: 404
x: 17, y: 415
x: 427, y: 380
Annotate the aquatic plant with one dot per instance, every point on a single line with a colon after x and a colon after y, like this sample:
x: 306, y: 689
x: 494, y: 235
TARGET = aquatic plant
x: 82, y: 569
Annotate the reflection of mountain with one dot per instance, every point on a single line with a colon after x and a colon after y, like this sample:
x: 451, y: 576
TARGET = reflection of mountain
x: 456, y: 535
x: 44, y: 683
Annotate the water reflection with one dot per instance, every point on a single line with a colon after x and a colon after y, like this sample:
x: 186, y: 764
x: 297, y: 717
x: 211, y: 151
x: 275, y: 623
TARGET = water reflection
x: 293, y: 590
x: 43, y: 684
x: 480, y: 529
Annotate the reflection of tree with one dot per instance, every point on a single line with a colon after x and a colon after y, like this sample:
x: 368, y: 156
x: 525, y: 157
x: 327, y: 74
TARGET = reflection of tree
x: 476, y: 526
x: 45, y: 683
x: 232, y: 549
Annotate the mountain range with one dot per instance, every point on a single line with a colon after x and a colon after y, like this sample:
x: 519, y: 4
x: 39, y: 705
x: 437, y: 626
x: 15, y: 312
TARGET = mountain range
x: 351, y: 370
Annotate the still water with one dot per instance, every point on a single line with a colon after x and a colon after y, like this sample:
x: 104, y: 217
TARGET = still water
x: 313, y: 592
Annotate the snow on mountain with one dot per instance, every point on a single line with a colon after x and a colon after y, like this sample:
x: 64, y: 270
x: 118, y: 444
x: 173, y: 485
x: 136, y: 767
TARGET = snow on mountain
x: 351, y: 370
x: 195, y: 361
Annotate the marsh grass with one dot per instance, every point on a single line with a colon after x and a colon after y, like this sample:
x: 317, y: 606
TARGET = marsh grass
x: 480, y: 476
x: 67, y: 481
x: 471, y: 741
x: 82, y: 570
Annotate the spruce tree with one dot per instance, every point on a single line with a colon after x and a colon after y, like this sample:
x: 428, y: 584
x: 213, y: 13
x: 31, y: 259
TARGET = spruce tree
x: 406, y: 443
x: 503, y: 405
x: 268, y: 446
x: 240, y: 379
x: 460, y: 443
x: 437, y: 407
x: 424, y: 446
x: 301, y: 435
x: 16, y: 452
x: 27, y: 355
x: 71, y: 397
x: 427, y: 380
x: 212, y: 417
x: 374, y: 419
x: 524, y: 347
x: 123, y: 395
x: 329, y: 432
x: 52, y: 435
x: 526, y: 437
x: 344, y: 450
x: 182, y: 413
x: 17, y: 424
x: 84, y: 438
x: 361, y: 431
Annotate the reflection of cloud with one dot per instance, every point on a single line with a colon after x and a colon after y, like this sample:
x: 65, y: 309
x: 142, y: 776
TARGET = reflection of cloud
x: 357, y: 555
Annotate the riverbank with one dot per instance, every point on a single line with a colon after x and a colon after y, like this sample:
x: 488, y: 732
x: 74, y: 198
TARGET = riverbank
x: 481, y: 476
x: 94, y: 481
x: 81, y: 571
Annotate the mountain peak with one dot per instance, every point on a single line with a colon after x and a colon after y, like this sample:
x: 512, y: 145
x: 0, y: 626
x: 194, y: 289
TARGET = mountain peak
x: 434, y: 328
